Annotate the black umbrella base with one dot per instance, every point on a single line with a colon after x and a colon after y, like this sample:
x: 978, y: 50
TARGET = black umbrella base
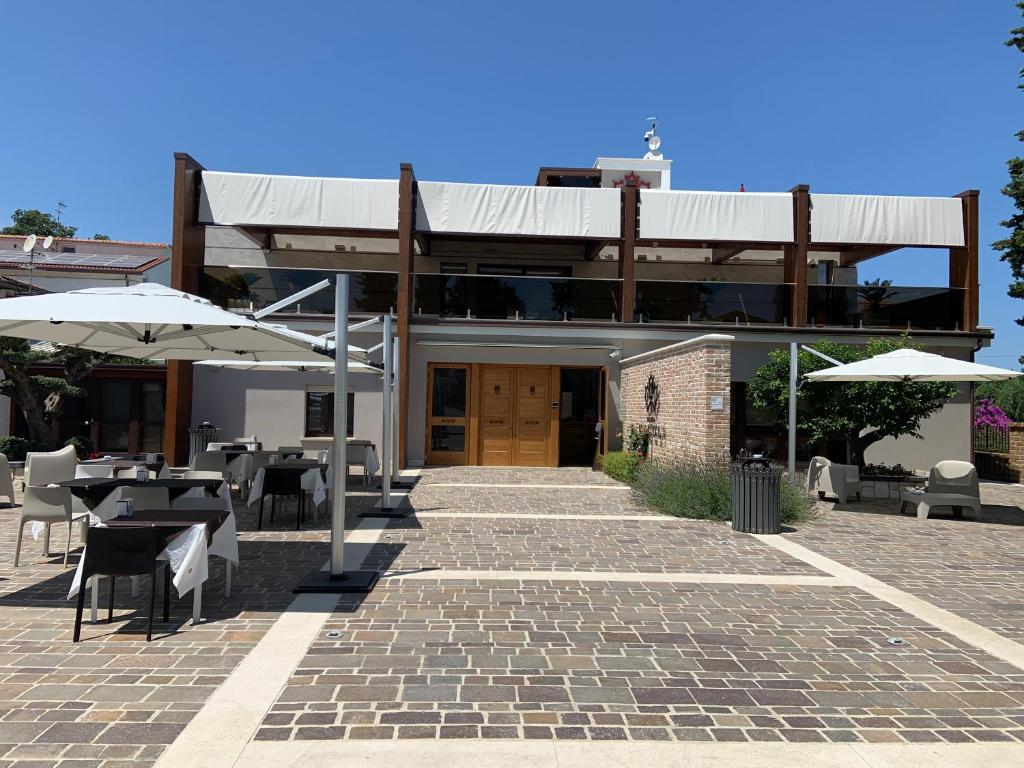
x: 389, y: 512
x: 322, y: 582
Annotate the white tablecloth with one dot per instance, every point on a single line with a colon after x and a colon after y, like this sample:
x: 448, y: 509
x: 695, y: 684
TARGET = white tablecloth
x: 312, y: 481
x: 188, y: 555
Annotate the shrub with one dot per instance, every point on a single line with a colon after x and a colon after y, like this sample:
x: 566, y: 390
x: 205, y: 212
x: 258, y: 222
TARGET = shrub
x: 83, y: 446
x: 1008, y: 395
x: 15, y: 448
x: 703, y: 491
x: 621, y: 465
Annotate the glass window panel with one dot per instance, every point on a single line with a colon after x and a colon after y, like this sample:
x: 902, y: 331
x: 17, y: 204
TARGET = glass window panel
x: 320, y: 414
x: 449, y: 396
x: 447, y: 439
x: 115, y: 414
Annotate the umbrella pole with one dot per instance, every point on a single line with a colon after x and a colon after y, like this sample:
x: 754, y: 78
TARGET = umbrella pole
x: 793, y: 352
x: 337, y: 579
x: 385, y: 475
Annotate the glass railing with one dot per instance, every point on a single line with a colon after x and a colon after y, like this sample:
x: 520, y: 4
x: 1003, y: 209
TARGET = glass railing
x: 667, y: 301
x: 493, y: 297
x: 885, y: 306
x: 242, y: 288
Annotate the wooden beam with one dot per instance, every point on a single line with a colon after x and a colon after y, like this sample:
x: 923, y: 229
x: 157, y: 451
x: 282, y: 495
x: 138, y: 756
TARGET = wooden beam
x: 723, y: 254
x: 593, y: 248
x: 424, y: 243
x: 963, y: 262
x: 627, y: 251
x: 795, y: 255
x: 188, y: 251
x: 279, y: 230
x: 406, y: 240
x: 860, y: 253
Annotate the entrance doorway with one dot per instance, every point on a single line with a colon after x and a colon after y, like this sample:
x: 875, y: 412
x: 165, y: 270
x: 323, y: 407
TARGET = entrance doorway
x: 513, y: 415
x: 581, y: 410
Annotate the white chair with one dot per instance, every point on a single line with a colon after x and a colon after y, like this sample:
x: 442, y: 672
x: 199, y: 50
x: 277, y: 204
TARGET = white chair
x: 50, y: 467
x: 827, y: 477
x: 147, y: 498
x: 203, y: 474
x: 950, y: 484
x: 47, y: 506
x: 94, y: 470
x: 211, y: 461
x: 6, y: 479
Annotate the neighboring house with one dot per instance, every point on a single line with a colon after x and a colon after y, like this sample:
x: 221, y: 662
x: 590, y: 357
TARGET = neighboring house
x: 516, y: 304
x: 123, y: 411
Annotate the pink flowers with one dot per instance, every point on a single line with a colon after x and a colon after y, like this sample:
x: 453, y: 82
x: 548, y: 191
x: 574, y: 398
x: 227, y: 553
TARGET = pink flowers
x: 988, y: 414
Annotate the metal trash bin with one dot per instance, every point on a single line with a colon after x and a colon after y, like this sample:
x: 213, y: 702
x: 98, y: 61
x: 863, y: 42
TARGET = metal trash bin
x: 756, y: 497
x: 200, y: 437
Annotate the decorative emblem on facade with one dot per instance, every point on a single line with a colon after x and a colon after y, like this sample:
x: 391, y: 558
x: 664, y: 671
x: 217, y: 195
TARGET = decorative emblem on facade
x: 497, y: 389
x: 652, y: 398
x: 632, y: 176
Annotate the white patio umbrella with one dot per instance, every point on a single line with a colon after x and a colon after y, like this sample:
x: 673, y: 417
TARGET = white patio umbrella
x: 911, y: 365
x: 153, y: 322
x: 291, y: 365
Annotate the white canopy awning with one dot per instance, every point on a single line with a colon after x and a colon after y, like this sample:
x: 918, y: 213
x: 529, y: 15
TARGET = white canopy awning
x: 726, y: 216
x: 152, y: 322
x: 887, y: 220
x: 290, y: 365
x: 257, y: 199
x: 497, y: 209
x: 912, y: 365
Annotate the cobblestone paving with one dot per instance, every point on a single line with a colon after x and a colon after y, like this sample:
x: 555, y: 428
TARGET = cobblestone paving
x: 525, y: 501
x: 565, y: 660
x: 515, y: 476
x: 661, y: 545
x: 974, y: 568
x: 115, y: 700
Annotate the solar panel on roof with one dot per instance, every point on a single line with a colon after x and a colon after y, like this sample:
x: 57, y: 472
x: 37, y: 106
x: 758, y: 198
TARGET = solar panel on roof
x: 95, y: 260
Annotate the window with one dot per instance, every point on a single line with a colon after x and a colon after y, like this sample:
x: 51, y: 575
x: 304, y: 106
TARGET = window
x: 320, y: 414
x: 529, y: 271
x: 67, y: 249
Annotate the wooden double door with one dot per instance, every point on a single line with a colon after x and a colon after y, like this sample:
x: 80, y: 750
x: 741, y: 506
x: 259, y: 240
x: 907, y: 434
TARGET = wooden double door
x: 492, y: 415
x: 515, y: 424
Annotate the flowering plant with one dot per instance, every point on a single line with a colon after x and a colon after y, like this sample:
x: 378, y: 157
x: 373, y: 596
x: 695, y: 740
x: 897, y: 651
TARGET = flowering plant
x: 988, y: 414
x: 639, y: 439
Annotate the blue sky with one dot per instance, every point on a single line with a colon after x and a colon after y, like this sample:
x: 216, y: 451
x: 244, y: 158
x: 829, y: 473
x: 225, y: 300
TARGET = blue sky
x: 909, y: 97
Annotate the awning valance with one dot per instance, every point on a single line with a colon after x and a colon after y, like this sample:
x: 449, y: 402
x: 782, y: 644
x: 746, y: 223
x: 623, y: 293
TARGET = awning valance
x: 887, y: 220
x: 725, y: 216
x: 494, y: 209
x: 251, y: 199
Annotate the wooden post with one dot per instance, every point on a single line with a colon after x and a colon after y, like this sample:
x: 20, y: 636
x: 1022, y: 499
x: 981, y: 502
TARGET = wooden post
x: 963, y: 262
x: 406, y: 245
x: 188, y: 250
x: 795, y: 255
x: 627, y: 251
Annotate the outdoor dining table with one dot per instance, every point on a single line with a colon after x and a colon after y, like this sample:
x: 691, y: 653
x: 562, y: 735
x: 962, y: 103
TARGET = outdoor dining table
x: 312, y: 480
x: 188, y: 537
x: 159, y: 467
x: 98, y: 492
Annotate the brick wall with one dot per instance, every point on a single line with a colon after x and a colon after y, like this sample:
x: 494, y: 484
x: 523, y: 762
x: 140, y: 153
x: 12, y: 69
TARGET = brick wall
x: 687, y: 376
x: 1007, y: 466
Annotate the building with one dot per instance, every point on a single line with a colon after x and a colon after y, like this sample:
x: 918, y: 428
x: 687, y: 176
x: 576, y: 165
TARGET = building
x: 518, y: 306
x: 123, y: 411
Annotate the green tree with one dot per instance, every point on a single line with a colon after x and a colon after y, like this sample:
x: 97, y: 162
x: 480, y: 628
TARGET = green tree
x: 1012, y: 246
x: 33, y: 222
x: 861, y: 413
x: 41, y: 397
x: 100, y: 237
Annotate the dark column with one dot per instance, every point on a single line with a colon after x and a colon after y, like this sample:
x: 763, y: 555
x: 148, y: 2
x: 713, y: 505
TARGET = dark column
x: 795, y: 255
x: 627, y: 251
x: 406, y: 242
x: 188, y: 247
x: 963, y: 262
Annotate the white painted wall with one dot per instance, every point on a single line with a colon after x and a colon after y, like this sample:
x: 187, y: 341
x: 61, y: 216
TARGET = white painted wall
x: 271, y: 404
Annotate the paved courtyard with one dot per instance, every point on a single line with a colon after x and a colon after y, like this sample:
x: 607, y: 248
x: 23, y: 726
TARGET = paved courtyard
x: 521, y: 607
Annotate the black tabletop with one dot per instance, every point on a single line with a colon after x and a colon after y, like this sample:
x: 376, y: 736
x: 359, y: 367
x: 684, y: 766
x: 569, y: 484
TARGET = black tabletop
x: 93, y: 490
x: 171, y: 521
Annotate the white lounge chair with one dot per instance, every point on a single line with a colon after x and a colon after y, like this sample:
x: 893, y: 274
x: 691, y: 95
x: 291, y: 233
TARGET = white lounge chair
x: 51, y: 505
x: 839, y: 480
x: 6, y: 479
x: 950, y: 484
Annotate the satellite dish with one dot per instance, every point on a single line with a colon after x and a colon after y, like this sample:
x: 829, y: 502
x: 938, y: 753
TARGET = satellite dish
x: 30, y: 243
x: 49, y: 239
x: 653, y: 143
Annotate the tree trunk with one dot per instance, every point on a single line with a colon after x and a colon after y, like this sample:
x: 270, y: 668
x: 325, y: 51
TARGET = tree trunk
x: 24, y: 395
x: 859, y: 444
